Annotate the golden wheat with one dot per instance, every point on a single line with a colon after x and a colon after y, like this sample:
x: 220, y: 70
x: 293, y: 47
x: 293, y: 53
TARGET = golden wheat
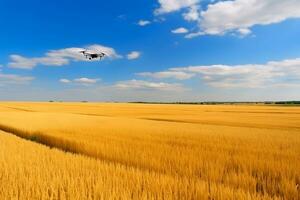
x: 151, y: 151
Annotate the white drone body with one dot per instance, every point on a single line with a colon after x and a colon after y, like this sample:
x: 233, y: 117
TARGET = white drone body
x: 92, y: 55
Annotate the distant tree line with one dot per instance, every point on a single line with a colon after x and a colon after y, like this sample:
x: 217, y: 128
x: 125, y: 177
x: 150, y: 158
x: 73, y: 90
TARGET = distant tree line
x: 284, y: 102
x: 212, y: 102
x: 225, y: 103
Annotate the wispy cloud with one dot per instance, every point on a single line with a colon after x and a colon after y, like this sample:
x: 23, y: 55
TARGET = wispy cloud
x: 86, y: 80
x: 146, y: 85
x: 179, y: 75
x: 59, y: 57
x: 274, y: 73
x: 21, y: 62
x: 81, y: 81
x: 133, y: 55
x: 193, y: 35
x: 14, y: 79
x: 64, y: 80
x: 144, y: 22
x: 180, y: 30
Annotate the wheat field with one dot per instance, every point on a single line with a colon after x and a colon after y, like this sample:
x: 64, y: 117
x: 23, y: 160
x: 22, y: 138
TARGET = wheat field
x: 148, y: 151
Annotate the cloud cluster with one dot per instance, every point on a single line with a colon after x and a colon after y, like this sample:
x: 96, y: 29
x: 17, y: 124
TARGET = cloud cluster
x: 275, y: 73
x: 235, y: 16
x: 60, y: 57
x: 241, y: 15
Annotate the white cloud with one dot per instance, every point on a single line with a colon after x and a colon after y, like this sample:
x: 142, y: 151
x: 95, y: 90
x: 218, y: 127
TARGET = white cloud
x: 180, y: 30
x: 143, y: 22
x: 22, y: 62
x: 193, y: 14
x: 244, y: 31
x: 140, y: 84
x: 275, y: 73
x: 86, y: 80
x: 133, y: 55
x: 234, y: 16
x: 241, y: 15
x: 193, y: 35
x: 167, y: 6
x: 168, y: 74
x: 81, y: 81
x: 63, y: 80
x: 14, y: 79
x: 60, y: 57
x: 109, y: 51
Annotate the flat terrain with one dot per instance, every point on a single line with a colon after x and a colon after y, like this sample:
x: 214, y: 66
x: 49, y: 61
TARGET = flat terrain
x: 147, y: 151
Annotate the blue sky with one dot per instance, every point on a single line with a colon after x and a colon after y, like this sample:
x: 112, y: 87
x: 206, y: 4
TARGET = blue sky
x: 157, y: 50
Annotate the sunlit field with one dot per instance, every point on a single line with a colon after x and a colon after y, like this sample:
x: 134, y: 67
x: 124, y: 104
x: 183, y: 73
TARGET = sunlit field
x: 147, y: 151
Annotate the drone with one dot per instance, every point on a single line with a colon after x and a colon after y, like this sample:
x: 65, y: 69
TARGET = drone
x: 92, y: 56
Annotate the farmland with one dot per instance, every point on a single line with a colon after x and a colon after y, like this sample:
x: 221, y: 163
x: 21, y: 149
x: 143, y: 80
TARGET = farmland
x: 147, y: 151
